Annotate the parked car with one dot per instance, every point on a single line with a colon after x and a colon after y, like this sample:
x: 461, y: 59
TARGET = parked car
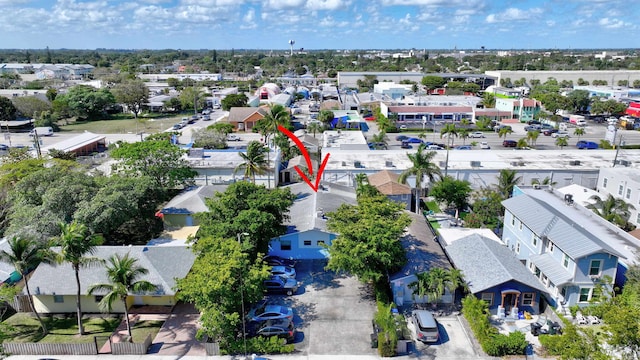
x: 177, y: 127
x: 206, y: 117
x: 402, y: 137
x: 233, y: 137
x: 510, y: 143
x: 583, y: 144
x: 546, y: 126
x: 533, y: 122
x: 497, y: 128
x: 532, y: 128
x: 548, y: 132
x: 281, y: 285
x: 426, y: 326
x: 282, y: 328
x: 4, y: 147
x: 485, y: 145
x: 263, y: 311
x: 477, y: 134
x: 560, y: 134
x: 406, y: 145
x: 414, y: 141
x: 462, y: 147
x: 434, y: 147
x: 284, y: 271
x: 273, y: 260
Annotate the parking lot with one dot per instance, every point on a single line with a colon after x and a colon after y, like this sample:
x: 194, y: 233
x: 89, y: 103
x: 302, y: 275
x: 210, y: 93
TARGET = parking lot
x: 333, y: 314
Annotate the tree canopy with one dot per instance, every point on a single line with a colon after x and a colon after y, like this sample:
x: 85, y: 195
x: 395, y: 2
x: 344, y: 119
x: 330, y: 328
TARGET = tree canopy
x: 452, y: 192
x: 132, y: 93
x: 84, y: 101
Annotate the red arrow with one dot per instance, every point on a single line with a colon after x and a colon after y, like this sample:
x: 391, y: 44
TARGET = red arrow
x: 305, y: 153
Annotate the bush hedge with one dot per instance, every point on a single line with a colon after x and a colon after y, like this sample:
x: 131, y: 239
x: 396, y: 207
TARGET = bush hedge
x: 387, y: 337
x: 493, y: 343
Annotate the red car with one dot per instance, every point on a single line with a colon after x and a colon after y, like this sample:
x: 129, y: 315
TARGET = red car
x: 510, y: 143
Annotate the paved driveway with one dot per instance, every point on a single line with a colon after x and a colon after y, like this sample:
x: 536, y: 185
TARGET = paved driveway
x: 333, y: 312
x: 454, y: 342
x: 178, y: 333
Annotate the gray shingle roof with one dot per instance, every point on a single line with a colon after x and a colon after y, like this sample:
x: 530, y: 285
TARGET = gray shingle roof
x: 546, y: 220
x: 191, y: 201
x: 486, y: 263
x: 165, y: 264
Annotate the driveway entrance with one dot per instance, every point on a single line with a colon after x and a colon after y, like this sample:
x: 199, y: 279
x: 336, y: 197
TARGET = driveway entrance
x: 178, y: 334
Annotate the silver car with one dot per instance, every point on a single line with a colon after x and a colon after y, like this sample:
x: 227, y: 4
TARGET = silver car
x: 284, y: 271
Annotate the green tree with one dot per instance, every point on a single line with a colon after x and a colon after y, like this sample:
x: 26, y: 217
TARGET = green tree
x: 246, y: 208
x: 76, y: 246
x: 561, y: 142
x: 254, y: 161
x: 421, y: 167
x: 7, y: 109
x: 464, y: 134
x: 209, y: 139
x: 314, y: 128
x: 25, y: 255
x: 379, y: 140
x: 522, y: 143
x: 612, y: 209
x: 483, y: 122
x: 222, y: 127
x: 158, y: 159
x: 489, y: 100
x: 450, y: 131
x: 431, y: 284
x: 532, y: 137
x: 432, y: 82
x: 132, y: 93
x: 579, y: 132
x: 123, y: 273
x: 326, y: 117
x: 368, y: 245
x: 504, y: 131
x: 487, y: 206
x: 578, y: 100
x: 452, y: 192
x: 192, y: 98
x: 30, y: 106
x: 85, y: 101
x: 234, y: 100
x: 507, y: 179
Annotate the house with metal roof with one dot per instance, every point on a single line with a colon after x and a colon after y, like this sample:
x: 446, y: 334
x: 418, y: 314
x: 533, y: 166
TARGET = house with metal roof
x: 181, y: 210
x: 307, y: 236
x: 566, y: 246
x: 495, y: 275
x: 54, y: 292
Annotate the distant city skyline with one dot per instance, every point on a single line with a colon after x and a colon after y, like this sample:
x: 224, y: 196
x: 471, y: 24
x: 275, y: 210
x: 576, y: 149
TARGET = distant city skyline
x: 318, y: 24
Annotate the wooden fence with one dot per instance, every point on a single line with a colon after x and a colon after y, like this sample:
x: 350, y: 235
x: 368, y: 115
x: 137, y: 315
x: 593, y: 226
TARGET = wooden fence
x: 128, y: 348
x: 50, y: 349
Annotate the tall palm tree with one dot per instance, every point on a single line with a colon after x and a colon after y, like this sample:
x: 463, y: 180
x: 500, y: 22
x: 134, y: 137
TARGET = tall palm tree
x: 25, y: 254
x: 421, y: 167
x: 612, y: 209
x: 314, y: 128
x: 579, y: 132
x: 450, y: 131
x: 533, y: 136
x: 562, y: 142
x: 277, y: 115
x: 420, y: 287
x: 488, y: 100
x: 254, y: 161
x: 507, y: 179
x: 503, y: 132
x: 123, y: 273
x: 380, y: 140
x: 455, y: 280
x: 76, y: 244
x: 464, y: 134
x: 522, y: 143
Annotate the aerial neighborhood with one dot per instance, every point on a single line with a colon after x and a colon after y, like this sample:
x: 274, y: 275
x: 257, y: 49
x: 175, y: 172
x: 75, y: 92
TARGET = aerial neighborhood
x: 449, y: 204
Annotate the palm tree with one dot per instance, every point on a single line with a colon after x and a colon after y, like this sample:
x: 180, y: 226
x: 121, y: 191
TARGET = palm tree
x: 483, y: 122
x: 612, y: 209
x: 421, y: 166
x: 504, y: 131
x: 380, y: 140
x: 488, y: 100
x: 421, y: 286
x: 562, y: 142
x: 450, y: 131
x: 75, y: 244
x: 438, y: 279
x: 579, y: 132
x: 546, y: 181
x: 276, y: 116
x: 532, y: 136
x: 254, y: 161
x: 464, y: 134
x: 507, y: 179
x: 25, y: 254
x: 123, y: 274
x: 455, y: 280
x: 314, y: 127
x: 522, y: 143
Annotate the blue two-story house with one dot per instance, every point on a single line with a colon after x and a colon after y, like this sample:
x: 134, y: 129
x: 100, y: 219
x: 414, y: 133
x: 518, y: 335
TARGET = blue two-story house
x: 567, y: 247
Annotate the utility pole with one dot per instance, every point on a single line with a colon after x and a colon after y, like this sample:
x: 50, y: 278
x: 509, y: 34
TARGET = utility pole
x: 36, y: 143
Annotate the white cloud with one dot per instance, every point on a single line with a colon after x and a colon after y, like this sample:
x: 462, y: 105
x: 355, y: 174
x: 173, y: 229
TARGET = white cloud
x: 282, y: 4
x: 514, y: 14
x: 327, y: 4
x: 611, y: 23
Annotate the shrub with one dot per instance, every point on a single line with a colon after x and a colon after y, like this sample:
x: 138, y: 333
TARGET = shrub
x: 500, y: 344
x: 260, y: 345
x: 574, y: 310
x: 388, y: 337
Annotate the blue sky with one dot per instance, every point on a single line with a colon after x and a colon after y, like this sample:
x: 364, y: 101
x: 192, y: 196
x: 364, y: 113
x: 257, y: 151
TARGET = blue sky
x: 319, y: 24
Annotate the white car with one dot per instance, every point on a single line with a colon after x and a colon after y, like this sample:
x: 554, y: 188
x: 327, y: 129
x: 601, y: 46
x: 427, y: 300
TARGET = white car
x: 477, y: 134
x: 233, y: 137
x: 484, y: 145
x: 560, y: 134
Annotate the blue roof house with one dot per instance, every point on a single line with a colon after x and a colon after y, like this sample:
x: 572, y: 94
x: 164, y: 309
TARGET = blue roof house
x: 495, y: 275
x: 568, y: 248
x: 307, y: 235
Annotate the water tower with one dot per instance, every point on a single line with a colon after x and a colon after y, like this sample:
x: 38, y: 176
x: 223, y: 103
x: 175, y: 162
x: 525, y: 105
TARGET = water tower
x: 291, y: 42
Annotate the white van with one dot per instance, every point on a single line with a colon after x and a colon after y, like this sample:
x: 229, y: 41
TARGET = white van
x: 426, y: 326
x: 42, y: 131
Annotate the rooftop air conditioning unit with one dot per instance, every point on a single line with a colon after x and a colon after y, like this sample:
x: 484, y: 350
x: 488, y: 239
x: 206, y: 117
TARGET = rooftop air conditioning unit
x: 442, y: 164
x: 475, y: 164
x: 624, y: 162
x: 357, y: 164
x: 536, y: 186
x: 388, y: 163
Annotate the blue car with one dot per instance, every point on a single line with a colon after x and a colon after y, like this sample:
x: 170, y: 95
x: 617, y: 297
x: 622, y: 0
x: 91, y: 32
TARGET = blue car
x: 401, y: 137
x: 414, y: 141
x: 582, y: 144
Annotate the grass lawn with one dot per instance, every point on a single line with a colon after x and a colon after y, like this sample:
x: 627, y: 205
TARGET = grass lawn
x: 142, y: 328
x: 25, y: 328
x: 435, y: 225
x: 433, y: 206
x: 121, y: 125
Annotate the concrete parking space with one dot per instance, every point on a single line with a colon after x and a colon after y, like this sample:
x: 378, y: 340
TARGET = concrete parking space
x: 332, y: 312
x: 178, y: 334
x: 454, y: 342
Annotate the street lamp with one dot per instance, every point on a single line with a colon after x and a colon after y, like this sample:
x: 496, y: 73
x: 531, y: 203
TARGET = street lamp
x: 244, y: 328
